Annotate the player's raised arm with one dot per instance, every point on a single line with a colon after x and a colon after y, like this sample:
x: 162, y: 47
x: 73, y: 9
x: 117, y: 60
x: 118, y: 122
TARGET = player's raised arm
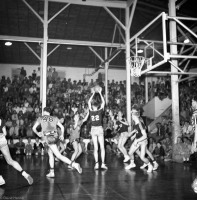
x: 86, y: 117
x: 89, y: 101
x: 102, y: 99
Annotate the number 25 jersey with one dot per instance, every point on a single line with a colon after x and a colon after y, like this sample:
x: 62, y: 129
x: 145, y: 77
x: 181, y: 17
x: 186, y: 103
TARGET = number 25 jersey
x: 96, y: 117
x: 48, y: 123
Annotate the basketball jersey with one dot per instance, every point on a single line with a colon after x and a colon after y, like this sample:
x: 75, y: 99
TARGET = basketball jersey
x: 96, y: 117
x: 122, y: 127
x: 48, y: 123
x: 139, y: 128
x: 75, y: 133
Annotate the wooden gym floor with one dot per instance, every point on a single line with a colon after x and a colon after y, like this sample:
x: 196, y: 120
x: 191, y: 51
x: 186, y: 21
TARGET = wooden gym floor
x: 170, y: 181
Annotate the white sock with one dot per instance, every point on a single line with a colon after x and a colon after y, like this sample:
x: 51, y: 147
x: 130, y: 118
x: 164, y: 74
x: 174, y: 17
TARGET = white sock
x: 25, y: 174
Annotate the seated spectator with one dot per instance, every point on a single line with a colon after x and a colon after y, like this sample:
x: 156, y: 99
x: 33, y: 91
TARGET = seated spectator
x: 158, y: 133
x: 14, y: 117
x: 151, y: 145
x: 29, y: 131
x: 8, y: 124
x: 182, y: 150
x: 159, y: 151
x: 187, y: 146
x: 20, y: 147
x: 14, y: 130
x: 167, y: 144
x: 38, y: 147
x: 12, y: 147
x: 187, y: 130
x: 29, y: 147
x: 193, y: 156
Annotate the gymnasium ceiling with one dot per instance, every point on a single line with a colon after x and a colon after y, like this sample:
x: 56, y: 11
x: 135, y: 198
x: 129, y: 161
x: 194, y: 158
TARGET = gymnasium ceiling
x: 76, y: 22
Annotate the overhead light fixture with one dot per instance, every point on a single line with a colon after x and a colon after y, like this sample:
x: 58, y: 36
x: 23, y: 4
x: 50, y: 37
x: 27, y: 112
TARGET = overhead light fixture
x: 8, y: 43
x: 140, y: 51
x: 186, y: 41
x: 69, y: 48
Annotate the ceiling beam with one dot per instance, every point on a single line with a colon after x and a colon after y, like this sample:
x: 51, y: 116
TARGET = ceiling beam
x: 61, y: 41
x: 97, y: 3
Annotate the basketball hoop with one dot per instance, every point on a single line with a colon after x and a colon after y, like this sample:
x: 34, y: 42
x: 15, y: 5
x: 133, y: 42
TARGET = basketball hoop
x: 136, y: 63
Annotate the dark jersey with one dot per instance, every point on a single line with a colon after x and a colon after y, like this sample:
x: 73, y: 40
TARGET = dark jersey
x: 96, y: 117
x: 139, y: 128
x: 122, y: 126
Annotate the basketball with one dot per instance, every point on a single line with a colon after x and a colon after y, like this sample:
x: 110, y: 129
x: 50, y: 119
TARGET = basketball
x: 97, y: 88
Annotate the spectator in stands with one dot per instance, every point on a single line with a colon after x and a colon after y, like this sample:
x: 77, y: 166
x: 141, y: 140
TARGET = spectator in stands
x: 23, y: 73
x: 158, y: 133
x: 12, y: 147
x: 151, y: 145
x: 159, y: 151
x: 8, y: 124
x: 20, y: 146
x: 187, y: 130
x: 29, y: 147
x: 38, y: 147
x: 54, y: 75
x: 34, y: 74
x: 14, y: 130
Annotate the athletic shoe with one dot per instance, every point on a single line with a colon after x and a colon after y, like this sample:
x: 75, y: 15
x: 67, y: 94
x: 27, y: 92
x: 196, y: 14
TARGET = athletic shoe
x: 2, y: 181
x: 51, y: 174
x: 126, y: 159
x: 131, y: 165
x: 96, y: 166
x: 77, y: 167
x: 155, y: 165
x: 143, y: 166
x: 30, y: 179
x: 150, y: 168
x: 103, y: 166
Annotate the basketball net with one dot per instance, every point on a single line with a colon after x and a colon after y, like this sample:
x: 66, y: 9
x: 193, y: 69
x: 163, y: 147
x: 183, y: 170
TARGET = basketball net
x: 136, y: 63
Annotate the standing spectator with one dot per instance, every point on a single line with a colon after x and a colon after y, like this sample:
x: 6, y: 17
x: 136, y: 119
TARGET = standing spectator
x: 34, y: 74
x: 23, y: 73
x: 54, y: 75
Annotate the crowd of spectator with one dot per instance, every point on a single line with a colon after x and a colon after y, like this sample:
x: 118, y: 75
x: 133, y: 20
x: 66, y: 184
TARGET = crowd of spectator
x: 20, y: 106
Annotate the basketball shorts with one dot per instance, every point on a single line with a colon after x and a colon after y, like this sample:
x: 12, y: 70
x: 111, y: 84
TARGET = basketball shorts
x: 52, y: 137
x: 124, y: 134
x: 96, y: 131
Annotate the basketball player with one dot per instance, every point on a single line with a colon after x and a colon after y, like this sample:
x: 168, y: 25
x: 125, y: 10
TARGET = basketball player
x: 75, y: 136
x: 122, y: 127
x: 6, y: 153
x: 49, y: 132
x: 140, y: 141
x: 96, y: 110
